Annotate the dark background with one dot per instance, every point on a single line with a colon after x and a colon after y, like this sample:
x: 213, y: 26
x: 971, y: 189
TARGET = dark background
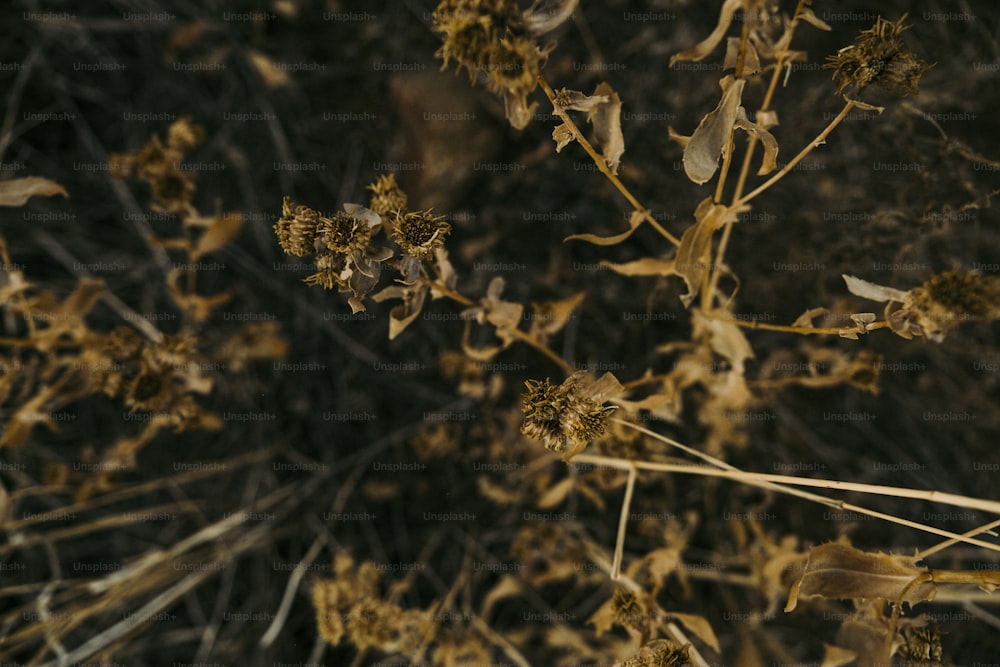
x: 842, y: 215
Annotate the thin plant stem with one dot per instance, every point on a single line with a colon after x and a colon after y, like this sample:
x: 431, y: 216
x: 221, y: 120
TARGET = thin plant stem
x: 616, y: 563
x: 769, y: 482
x: 602, y: 164
x: 815, y: 143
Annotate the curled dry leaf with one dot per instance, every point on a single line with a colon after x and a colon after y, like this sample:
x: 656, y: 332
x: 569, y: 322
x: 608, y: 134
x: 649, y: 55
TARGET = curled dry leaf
x: 634, y: 221
x: 751, y: 61
x: 606, y: 119
x: 840, y: 571
x: 647, y: 266
x: 701, y: 155
x: 563, y: 135
x: 708, y: 45
x: 692, y: 255
x: 549, y: 317
x: 725, y: 337
x: 770, y: 160
x: 872, y: 291
x: 220, y: 231
x: 574, y: 100
x: 17, y: 191
x: 404, y: 314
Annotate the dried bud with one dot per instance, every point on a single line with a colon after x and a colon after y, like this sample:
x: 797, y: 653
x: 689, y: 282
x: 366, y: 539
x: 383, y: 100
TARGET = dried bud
x: 296, y: 229
x: 881, y: 57
x: 419, y: 234
x: 387, y: 197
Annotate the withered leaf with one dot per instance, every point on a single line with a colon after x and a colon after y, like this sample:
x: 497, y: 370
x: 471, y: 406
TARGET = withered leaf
x: 17, y: 191
x: 574, y: 100
x: 809, y: 17
x: 840, y: 571
x: 647, y: 266
x: 634, y: 221
x: 751, y: 61
x: 556, y: 493
x: 725, y: 337
x: 770, y: 160
x: 563, y: 136
x: 546, y: 15
x: 404, y: 314
x: 701, y: 155
x: 867, y: 290
x: 606, y: 119
x: 806, y: 318
x: 708, y: 45
x: 699, y: 626
x: 221, y: 230
x: 696, y: 242
x: 550, y: 317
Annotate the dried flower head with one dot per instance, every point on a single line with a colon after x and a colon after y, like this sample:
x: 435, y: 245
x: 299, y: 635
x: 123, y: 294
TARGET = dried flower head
x: 387, y: 197
x: 659, y: 653
x: 495, y: 39
x: 419, y: 234
x: 881, y: 57
x: 567, y: 417
x: 296, y: 229
x: 157, y: 165
x: 344, y: 233
x: 945, y: 300
x: 922, y: 646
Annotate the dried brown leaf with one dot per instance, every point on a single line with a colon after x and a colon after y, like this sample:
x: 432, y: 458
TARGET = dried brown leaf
x: 751, y: 61
x: 556, y: 493
x: 606, y: 119
x: 647, y: 266
x: 872, y: 291
x: 17, y: 191
x: 725, y: 337
x: 809, y: 17
x: 837, y: 570
x: 404, y: 314
x: 574, y: 100
x: 700, y: 627
x: 770, y: 160
x: 702, y: 153
x: 696, y: 242
x: 806, y: 318
x: 222, y: 229
x: 634, y: 221
x: 563, y: 136
x: 549, y: 317
x: 708, y: 45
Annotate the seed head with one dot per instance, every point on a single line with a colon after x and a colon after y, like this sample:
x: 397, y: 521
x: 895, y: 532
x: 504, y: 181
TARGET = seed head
x: 881, y: 57
x: 565, y: 416
x: 296, y: 229
x: 344, y: 234
x: 945, y: 300
x: 419, y: 234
